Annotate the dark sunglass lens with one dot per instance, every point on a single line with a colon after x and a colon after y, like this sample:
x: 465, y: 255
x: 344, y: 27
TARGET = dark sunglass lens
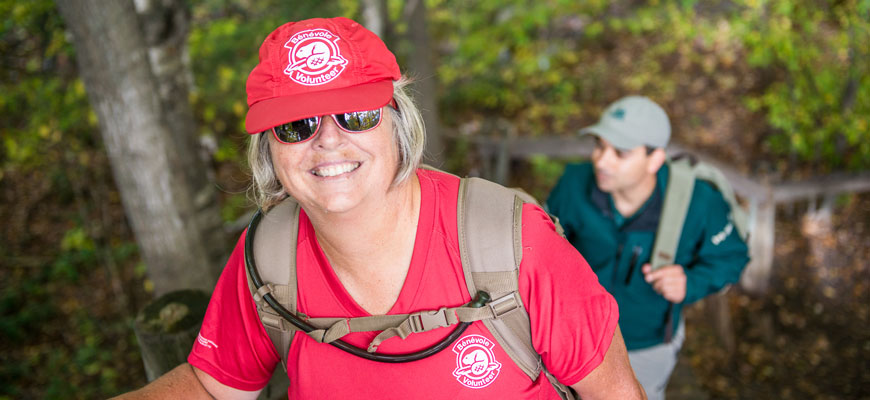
x: 296, y: 131
x: 359, y: 121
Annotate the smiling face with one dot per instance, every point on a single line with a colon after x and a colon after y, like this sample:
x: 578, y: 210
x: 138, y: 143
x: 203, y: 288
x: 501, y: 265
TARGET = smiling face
x: 336, y: 171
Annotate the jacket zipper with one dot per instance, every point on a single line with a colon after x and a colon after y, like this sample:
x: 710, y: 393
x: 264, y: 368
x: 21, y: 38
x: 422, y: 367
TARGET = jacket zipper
x: 615, y: 276
x: 635, y: 253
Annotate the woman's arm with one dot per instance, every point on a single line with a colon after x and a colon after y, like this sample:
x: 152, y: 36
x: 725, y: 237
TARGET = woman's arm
x: 613, y: 378
x: 187, y: 382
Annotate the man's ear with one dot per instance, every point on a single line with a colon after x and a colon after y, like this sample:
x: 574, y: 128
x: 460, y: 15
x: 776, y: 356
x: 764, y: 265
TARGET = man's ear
x: 655, y: 160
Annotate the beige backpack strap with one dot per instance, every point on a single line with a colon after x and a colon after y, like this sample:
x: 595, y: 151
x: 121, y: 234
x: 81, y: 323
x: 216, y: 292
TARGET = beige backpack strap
x: 490, y: 244
x: 678, y: 195
x: 682, y: 174
x: 401, y: 325
x: 278, y: 229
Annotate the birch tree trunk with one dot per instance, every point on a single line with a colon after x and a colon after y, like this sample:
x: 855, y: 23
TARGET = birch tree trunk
x: 374, y: 15
x: 166, y: 25
x: 150, y: 168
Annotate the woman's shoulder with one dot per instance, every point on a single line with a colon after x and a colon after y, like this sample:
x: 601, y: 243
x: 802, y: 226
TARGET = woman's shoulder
x: 437, y: 175
x: 442, y: 184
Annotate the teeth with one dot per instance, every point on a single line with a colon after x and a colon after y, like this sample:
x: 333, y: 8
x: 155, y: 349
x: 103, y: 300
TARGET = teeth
x: 336, y: 169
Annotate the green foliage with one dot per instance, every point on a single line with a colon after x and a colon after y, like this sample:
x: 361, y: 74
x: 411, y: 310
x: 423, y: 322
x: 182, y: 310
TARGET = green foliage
x: 234, y: 206
x: 88, y: 349
x: 19, y: 310
x: 801, y: 67
x: 54, y: 347
x: 48, y: 121
x: 515, y: 59
x: 546, y: 173
x: 820, y: 102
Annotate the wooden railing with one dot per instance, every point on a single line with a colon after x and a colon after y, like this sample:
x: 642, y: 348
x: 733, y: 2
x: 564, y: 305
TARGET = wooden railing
x: 759, y: 194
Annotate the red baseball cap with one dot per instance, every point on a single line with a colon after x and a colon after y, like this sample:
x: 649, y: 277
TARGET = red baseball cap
x: 317, y: 67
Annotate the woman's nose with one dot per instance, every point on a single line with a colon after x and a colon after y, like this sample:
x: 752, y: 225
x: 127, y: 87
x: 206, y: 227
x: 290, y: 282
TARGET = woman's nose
x: 330, y: 134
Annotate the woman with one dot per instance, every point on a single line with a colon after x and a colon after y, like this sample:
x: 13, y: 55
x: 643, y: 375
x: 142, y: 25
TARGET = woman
x: 377, y: 235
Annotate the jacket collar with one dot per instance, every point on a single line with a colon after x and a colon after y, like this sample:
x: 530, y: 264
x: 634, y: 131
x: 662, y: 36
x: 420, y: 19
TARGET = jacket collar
x: 647, y: 219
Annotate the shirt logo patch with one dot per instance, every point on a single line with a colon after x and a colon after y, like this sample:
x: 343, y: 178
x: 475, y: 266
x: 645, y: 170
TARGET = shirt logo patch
x: 722, y: 235
x: 476, y: 366
x: 314, y: 57
x: 205, y: 342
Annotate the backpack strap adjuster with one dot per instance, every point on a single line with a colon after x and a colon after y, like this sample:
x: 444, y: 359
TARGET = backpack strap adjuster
x: 503, y: 305
x: 271, y: 319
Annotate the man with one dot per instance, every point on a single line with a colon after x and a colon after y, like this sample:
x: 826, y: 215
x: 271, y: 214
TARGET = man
x: 610, y: 209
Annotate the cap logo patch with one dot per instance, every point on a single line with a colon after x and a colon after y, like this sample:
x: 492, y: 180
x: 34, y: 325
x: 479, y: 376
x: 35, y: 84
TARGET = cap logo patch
x: 314, y: 57
x: 618, y: 113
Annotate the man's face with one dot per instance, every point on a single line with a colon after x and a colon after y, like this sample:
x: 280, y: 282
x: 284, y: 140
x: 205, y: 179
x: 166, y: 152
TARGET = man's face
x: 618, y: 170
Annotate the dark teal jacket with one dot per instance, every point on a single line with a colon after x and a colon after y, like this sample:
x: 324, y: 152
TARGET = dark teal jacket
x: 617, y: 253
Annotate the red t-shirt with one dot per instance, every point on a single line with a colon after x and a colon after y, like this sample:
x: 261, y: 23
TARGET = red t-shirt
x: 572, y: 319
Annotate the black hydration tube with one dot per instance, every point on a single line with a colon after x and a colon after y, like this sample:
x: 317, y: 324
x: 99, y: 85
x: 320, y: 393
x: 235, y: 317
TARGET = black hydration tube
x: 480, y: 299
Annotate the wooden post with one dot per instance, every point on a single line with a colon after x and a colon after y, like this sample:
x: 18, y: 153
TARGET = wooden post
x: 167, y: 328
x: 502, y: 163
x: 719, y: 315
x: 756, y: 276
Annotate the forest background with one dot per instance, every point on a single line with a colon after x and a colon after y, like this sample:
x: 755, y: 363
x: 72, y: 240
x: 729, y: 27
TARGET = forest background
x: 778, y: 88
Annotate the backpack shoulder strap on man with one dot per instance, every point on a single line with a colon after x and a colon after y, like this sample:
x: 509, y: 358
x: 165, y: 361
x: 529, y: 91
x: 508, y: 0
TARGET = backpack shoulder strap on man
x: 678, y: 195
x: 715, y: 177
x: 490, y: 244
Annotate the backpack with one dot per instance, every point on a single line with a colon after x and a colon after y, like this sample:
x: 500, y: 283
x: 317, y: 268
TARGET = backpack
x: 683, y: 171
x: 490, y: 243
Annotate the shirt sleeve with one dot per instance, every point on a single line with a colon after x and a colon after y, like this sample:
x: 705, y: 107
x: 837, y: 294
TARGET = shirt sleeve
x: 573, y: 318
x: 232, y: 345
x: 721, y: 255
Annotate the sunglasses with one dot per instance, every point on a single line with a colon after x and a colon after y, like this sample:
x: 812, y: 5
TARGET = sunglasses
x: 352, y: 122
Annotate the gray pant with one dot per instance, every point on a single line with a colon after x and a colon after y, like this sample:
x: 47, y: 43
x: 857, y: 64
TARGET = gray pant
x: 653, y: 365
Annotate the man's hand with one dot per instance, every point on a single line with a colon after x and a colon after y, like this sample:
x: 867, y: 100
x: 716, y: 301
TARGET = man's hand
x: 668, y: 281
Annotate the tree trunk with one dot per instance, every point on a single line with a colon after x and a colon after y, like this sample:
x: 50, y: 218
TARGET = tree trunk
x: 159, y: 200
x: 422, y: 67
x: 374, y: 15
x: 166, y: 25
x: 167, y: 328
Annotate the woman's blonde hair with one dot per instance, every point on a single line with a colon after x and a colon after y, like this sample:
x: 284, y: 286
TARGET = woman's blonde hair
x: 408, y: 132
